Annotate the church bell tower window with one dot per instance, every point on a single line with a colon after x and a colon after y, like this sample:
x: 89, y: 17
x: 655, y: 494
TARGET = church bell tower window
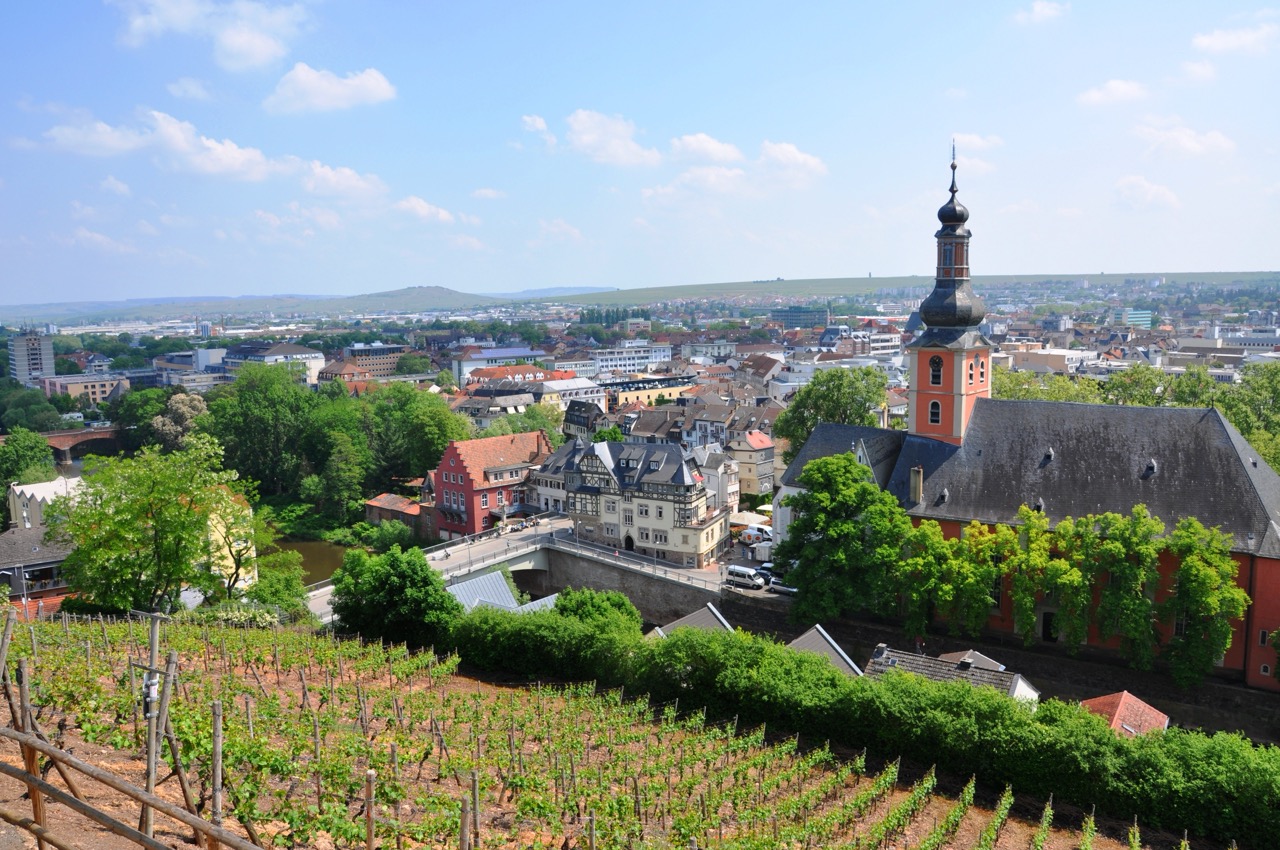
x: 935, y: 370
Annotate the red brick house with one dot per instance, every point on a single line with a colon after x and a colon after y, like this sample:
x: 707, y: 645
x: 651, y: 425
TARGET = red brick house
x: 480, y: 483
x: 413, y: 514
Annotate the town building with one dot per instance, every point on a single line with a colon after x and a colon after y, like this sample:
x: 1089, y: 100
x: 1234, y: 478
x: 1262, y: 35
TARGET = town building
x: 471, y: 359
x: 754, y: 453
x: 481, y: 483
x: 966, y: 456
x: 648, y: 499
x: 30, y: 357
x: 95, y: 388
x: 631, y: 355
x: 1127, y: 715
x: 308, y: 361
x: 885, y: 659
x: 379, y: 359
x: 801, y: 317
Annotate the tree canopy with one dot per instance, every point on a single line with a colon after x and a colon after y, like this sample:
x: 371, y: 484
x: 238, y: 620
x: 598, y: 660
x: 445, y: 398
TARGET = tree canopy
x: 843, y: 396
x: 141, y: 526
x: 397, y: 595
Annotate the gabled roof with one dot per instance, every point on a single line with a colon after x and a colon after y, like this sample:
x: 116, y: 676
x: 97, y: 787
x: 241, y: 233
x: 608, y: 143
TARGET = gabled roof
x: 973, y: 657
x: 26, y: 547
x: 492, y: 591
x: 817, y: 640
x: 1126, y: 714
x: 507, y: 450
x: 708, y: 619
x: 885, y: 659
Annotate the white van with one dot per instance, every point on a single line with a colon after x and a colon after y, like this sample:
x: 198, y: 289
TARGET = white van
x: 744, y: 577
x: 753, y: 534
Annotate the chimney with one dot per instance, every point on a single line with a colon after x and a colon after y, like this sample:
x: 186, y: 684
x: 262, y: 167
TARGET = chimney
x: 917, y: 484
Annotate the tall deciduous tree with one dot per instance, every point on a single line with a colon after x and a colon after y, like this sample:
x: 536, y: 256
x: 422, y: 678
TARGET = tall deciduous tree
x: 1030, y: 568
x: 1129, y: 556
x: 1140, y: 385
x: 844, y: 541
x: 398, y: 596
x: 25, y: 458
x: 982, y: 553
x: 1026, y: 386
x: 140, y: 526
x: 1205, y: 601
x: 843, y: 396
x: 260, y: 420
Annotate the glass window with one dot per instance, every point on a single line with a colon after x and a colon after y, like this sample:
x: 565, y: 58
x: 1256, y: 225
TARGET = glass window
x: 484, y: 500
x: 935, y: 370
x: 935, y: 413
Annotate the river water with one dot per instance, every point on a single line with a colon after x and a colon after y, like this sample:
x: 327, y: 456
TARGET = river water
x: 319, y: 559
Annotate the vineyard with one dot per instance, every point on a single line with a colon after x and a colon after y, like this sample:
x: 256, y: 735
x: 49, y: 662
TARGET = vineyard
x: 328, y: 743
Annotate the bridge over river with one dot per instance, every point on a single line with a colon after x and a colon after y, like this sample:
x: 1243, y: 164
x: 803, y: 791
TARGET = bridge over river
x: 549, y: 558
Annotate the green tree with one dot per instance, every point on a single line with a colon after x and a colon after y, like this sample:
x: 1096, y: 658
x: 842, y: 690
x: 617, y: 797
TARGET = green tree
x: 1029, y: 569
x: 1253, y: 407
x: 24, y: 408
x: 135, y: 413
x: 612, y: 434
x: 1204, y: 603
x: 1139, y: 384
x: 408, y: 430
x: 445, y: 380
x: 25, y: 458
x: 1028, y: 386
x: 844, y: 541
x: 280, y: 585
x: 343, y: 474
x: 982, y: 553
x: 413, y: 364
x: 140, y: 526
x: 922, y: 577
x: 63, y: 366
x: 599, y: 607
x: 1193, y: 388
x: 844, y: 396
x: 1129, y: 557
x: 181, y: 412
x: 398, y: 596
x: 261, y: 420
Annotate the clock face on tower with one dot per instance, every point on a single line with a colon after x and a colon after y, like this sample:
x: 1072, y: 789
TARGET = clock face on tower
x: 935, y: 371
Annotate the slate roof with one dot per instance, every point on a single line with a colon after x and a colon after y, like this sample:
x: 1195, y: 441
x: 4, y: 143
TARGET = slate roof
x: 1101, y: 460
x: 1126, y: 714
x: 817, y: 640
x: 884, y: 659
x: 492, y: 591
x: 26, y: 546
x: 708, y: 619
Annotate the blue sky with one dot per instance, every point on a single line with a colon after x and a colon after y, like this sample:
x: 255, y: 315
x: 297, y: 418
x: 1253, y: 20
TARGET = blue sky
x: 171, y: 147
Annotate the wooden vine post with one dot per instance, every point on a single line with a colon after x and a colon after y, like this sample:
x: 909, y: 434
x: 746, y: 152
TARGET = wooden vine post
x: 30, y: 762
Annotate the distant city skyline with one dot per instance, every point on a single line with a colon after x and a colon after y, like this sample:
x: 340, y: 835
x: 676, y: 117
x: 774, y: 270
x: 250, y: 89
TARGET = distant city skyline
x: 174, y: 147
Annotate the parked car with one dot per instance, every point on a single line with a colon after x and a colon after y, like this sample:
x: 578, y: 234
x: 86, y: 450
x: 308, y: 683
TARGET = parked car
x: 777, y: 584
x: 766, y: 570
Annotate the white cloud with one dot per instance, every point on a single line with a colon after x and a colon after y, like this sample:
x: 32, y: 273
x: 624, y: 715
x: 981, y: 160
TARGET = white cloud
x: 246, y: 34
x: 556, y: 230
x: 973, y: 165
x: 788, y: 161
x: 1247, y: 40
x: 97, y: 138
x: 488, y: 194
x: 322, y: 216
x: 609, y: 139
x: 86, y: 238
x: 716, y: 179
x: 702, y: 146
x: 1041, y: 11
x: 1140, y: 193
x: 146, y: 228
x: 467, y: 218
x: 114, y: 186
x: 1203, y: 70
x: 1112, y: 91
x: 346, y: 182
x: 1172, y: 136
x: 188, y: 88
x: 194, y: 152
x: 423, y: 210
x: 467, y: 243
x: 305, y: 89
x: 82, y: 211
x: 974, y: 141
x: 537, y: 124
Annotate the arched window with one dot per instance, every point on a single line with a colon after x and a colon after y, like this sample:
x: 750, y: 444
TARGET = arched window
x: 982, y: 371
x: 935, y: 413
x: 935, y: 370
x: 970, y: 372
x: 948, y: 255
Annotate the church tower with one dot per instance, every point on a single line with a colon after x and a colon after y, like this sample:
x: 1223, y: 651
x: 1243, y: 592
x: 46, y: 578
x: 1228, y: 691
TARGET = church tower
x: 951, y: 360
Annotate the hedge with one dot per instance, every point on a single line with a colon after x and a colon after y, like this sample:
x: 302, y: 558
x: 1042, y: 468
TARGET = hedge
x: 1220, y: 786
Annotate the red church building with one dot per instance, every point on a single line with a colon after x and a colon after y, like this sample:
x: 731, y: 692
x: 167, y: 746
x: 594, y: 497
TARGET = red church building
x: 966, y: 456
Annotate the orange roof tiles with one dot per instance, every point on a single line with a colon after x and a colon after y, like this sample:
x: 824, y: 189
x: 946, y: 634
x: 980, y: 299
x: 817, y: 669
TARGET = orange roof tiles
x: 1127, y: 714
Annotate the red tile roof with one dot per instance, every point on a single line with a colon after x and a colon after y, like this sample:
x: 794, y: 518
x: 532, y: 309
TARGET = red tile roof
x: 504, y: 450
x: 1127, y: 714
x: 392, y: 502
